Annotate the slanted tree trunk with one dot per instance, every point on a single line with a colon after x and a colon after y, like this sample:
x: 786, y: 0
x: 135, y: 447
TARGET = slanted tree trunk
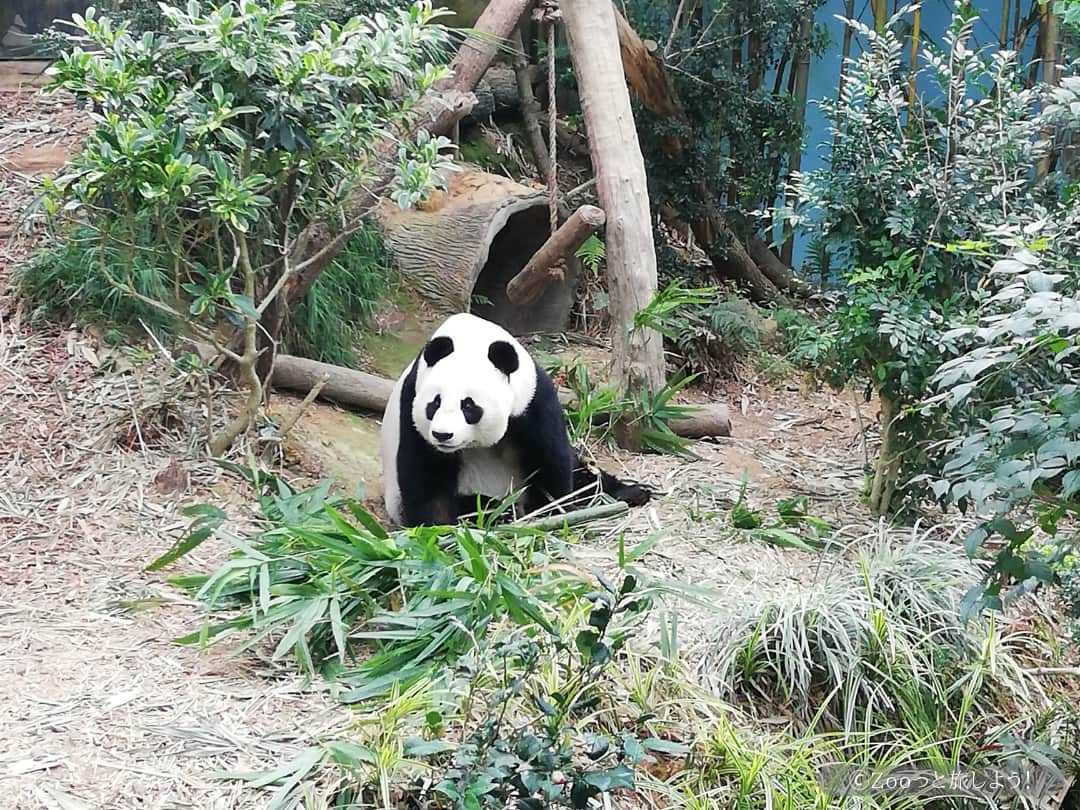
x: 624, y: 195
x: 652, y: 87
x: 320, y: 243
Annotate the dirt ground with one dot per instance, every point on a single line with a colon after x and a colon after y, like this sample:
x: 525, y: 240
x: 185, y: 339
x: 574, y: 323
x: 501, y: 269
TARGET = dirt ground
x: 99, y: 708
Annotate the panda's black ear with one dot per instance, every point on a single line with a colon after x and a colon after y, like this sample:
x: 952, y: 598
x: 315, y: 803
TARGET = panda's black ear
x: 437, y: 348
x: 504, y: 357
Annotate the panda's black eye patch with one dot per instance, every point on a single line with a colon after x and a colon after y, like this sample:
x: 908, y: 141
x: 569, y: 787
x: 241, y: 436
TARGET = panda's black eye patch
x: 471, y: 411
x: 433, y: 406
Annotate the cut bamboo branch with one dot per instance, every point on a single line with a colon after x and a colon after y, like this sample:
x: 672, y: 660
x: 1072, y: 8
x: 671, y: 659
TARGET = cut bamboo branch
x: 577, y: 517
x: 528, y: 285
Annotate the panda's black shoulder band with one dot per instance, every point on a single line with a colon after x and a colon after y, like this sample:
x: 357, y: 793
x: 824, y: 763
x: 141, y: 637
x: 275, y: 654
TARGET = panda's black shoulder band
x: 437, y: 348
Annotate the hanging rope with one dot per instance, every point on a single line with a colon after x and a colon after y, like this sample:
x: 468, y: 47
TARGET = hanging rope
x: 553, y: 188
x: 548, y: 12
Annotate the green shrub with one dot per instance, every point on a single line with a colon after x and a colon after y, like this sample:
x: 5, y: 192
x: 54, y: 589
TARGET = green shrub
x: 233, y: 138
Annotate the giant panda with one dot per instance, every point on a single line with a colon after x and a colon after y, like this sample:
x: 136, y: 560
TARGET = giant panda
x: 474, y: 416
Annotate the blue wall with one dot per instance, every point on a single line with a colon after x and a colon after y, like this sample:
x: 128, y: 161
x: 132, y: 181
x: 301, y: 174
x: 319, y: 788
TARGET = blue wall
x: 825, y: 71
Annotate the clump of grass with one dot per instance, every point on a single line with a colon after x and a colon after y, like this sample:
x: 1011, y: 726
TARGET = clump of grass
x: 82, y: 279
x: 330, y: 319
x: 879, y: 642
x: 85, y: 278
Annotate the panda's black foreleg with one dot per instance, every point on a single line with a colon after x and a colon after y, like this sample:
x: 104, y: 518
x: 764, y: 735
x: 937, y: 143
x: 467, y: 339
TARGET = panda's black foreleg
x: 433, y: 510
x: 427, y: 480
x: 539, y: 437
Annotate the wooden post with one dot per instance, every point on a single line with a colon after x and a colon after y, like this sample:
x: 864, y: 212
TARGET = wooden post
x: 528, y: 285
x: 623, y: 191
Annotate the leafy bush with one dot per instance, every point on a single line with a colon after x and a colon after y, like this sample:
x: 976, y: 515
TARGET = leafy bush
x: 226, y: 136
x: 1011, y: 403
x: 79, y: 279
x: 533, y: 764
x: 523, y: 718
x: 914, y: 199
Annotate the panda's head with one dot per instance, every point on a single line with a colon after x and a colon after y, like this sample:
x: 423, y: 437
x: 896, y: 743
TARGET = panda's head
x: 472, y: 377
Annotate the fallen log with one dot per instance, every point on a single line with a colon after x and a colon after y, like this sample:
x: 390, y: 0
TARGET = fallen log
x: 344, y: 385
x: 496, y: 94
x: 371, y: 392
x: 528, y: 285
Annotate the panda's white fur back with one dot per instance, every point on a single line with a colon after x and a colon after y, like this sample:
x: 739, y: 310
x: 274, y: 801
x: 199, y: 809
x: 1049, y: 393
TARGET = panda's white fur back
x: 388, y: 441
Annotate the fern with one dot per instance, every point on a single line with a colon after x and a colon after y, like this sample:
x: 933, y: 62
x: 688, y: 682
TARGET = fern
x: 592, y: 252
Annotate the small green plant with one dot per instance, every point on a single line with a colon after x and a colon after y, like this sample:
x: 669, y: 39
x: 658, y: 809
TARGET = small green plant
x: 793, y: 514
x: 533, y: 764
x: 594, y: 412
x: 592, y: 253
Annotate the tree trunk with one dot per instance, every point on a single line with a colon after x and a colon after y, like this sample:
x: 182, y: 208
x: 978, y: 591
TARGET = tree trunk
x: 1048, y: 55
x: 802, y: 78
x: 530, y: 107
x: 528, y: 285
x: 884, y: 483
x: 624, y: 195
x: 916, y: 26
x: 881, y: 14
x: 370, y: 392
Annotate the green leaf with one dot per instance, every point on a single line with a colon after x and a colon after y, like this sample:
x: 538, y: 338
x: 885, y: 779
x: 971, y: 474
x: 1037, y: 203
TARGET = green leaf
x: 665, y: 746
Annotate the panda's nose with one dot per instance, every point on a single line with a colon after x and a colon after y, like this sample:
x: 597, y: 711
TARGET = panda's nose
x: 441, y: 437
